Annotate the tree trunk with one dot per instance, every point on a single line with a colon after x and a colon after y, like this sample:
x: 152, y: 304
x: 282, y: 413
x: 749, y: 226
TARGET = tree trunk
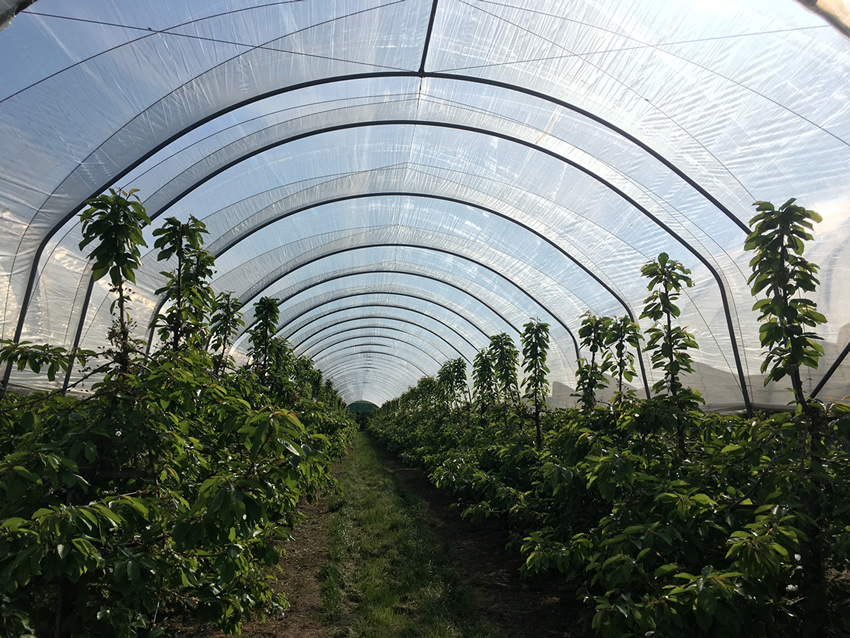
x: 537, y: 425
x: 178, y: 303
x: 814, y: 563
x: 124, y: 336
x: 64, y: 607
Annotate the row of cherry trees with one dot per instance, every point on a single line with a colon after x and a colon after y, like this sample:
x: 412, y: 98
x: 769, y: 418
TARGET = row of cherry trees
x: 668, y: 521
x: 161, y: 498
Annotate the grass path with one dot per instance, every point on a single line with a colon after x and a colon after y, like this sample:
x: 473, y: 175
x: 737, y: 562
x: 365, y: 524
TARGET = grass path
x: 390, y: 558
x: 385, y: 575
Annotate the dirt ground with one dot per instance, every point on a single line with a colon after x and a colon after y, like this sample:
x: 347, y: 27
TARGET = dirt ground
x: 477, y: 551
x: 305, y: 554
x: 515, y: 607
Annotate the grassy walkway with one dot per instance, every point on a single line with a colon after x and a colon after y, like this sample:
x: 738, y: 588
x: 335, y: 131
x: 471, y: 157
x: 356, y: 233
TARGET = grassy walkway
x: 385, y: 576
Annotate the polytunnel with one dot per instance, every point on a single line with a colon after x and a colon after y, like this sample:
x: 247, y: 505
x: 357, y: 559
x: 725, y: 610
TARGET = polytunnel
x: 409, y: 177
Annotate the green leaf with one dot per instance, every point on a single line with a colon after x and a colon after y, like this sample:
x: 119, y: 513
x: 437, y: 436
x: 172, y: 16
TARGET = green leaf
x: 706, y: 606
x: 90, y: 451
x: 114, y: 519
x: 740, y: 534
x: 664, y: 570
x: 776, y: 547
x: 12, y: 523
x: 27, y: 474
x: 133, y: 572
x: 137, y: 505
x: 84, y: 547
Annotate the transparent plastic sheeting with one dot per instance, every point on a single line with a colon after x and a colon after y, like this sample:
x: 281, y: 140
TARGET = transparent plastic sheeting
x: 409, y: 177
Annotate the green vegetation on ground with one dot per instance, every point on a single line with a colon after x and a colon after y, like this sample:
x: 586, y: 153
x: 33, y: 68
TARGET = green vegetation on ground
x: 386, y: 576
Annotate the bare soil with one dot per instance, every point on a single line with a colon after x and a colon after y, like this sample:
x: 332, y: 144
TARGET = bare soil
x: 305, y: 554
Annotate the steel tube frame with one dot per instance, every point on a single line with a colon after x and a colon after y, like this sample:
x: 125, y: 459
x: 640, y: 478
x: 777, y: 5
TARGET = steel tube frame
x: 422, y: 73
x: 374, y: 326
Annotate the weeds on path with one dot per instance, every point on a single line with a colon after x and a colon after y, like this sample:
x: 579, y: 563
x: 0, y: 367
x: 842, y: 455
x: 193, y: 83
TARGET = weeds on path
x: 385, y: 575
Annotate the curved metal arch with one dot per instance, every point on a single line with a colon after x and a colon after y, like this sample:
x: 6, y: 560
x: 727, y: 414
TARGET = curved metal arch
x: 375, y: 326
x: 421, y: 73
x: 378, y: 367
x: 436, y: 124
x: 536, y: 233
x: 380, y: 353
x: 392, y: 384
x: 429, y: 248
x: 460, y: 78
x: 372, y: 366
x: 357, y: 388
x: 355, y: 391
x: 461, y: 202
x: 332, y: 352
x: 835, y: 365
x: 437, y: 197
x: 407, y: 321
x: 356, y: 385
x: 533, y: 146
x: 282, y: 327
x: 383, y: 373
x: 282, y: 301
x: 376, y: 336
